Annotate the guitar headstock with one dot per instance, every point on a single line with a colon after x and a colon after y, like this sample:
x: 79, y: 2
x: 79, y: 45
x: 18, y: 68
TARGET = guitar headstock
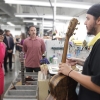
x: 21, y: 56
x: 71, y: 27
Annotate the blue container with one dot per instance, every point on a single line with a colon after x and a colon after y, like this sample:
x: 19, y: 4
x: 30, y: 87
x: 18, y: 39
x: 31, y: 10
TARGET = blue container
x: 68, y: 55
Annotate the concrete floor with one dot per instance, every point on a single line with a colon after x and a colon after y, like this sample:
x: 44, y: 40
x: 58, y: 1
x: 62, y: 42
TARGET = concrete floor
x: 9, y: 77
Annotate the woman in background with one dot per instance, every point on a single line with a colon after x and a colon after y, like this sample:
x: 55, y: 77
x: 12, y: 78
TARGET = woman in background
x: 20, y: 45
x: 2, y: 54
x: 22, y: 40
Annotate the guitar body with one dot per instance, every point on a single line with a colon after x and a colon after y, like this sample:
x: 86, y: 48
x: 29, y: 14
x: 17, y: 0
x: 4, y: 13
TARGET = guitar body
x: 63, y: 87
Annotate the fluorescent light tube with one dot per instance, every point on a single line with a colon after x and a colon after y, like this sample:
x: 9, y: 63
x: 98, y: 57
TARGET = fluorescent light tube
x: 73, y: 5
x: 11, y: 24
x: 41, y: 3
x: 47, y: 28
x: 34, y: 19
x: 38, y: 21
x: 29, y: 2
x: 45, y: 17
x: 28, y: 15
x: 31, y: 21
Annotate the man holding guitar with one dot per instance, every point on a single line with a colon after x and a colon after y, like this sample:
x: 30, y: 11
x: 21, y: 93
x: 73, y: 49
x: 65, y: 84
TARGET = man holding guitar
x: 90, y: 78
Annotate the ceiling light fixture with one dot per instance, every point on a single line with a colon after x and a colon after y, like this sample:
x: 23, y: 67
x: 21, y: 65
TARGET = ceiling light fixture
x: 58, y: 17
x: 34, y: 19
x: 11, y: 24
x: 38, y: 21
x: 47, y: 28
x: 59, y: 4
x: 35, y: 23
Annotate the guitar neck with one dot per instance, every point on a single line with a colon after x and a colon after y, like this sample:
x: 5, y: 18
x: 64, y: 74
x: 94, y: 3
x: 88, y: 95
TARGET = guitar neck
x: 65, y: 50
x: 22, y: 73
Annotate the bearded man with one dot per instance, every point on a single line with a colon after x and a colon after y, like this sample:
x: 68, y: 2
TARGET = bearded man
x: 90, y: 78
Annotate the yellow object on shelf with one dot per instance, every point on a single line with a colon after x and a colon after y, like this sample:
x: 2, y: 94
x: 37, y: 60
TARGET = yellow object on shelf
x: 78, y: 42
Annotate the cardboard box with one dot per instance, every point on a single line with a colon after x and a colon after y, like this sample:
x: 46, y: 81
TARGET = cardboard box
x: 43, y: 87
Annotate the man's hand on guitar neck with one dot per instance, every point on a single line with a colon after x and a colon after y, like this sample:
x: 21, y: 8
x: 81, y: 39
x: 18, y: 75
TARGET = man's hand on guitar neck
x: 74, y: 61
x: 64, y: 68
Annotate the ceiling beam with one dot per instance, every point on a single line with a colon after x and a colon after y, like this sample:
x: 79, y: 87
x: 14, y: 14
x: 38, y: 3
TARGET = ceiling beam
x: 13, y: 20
x: 2, y: 13
x: 60, y: 17
x: 7, y: 9
x: 79, y: 5
x: 1, y: 1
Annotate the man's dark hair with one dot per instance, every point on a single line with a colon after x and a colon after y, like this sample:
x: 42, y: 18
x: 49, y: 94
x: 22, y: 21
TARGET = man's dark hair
x: 94, y: 11
x: 1, y: 32
x: 30, y: 27
x: 7, y: 31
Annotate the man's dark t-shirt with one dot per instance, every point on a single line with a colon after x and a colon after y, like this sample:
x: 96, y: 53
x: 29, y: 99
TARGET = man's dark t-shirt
x: 91, y: 68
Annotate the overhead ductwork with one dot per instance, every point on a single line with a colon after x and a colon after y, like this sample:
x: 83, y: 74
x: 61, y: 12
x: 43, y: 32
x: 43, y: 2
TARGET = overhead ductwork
x: 8, y: 11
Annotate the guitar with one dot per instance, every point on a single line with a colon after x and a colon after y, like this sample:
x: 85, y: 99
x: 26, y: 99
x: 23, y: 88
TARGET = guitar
x: 63, y: 87
x: 21, y: 56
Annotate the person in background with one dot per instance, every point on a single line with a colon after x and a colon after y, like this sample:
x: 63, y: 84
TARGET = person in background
x: 20, y: 45
x: 8, y: 40
x: 11, y: 35
x: 2, y: 54
x: 17, y: 42
x: 44, y: 60
x: 34, y: 47
x: 90, y: 78
x: 22, y: 40
x: 84, y: 45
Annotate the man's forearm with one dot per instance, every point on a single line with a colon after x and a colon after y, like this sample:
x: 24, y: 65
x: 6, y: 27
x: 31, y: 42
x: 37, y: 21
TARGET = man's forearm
x: 80, y: 62
x: 85, y: 81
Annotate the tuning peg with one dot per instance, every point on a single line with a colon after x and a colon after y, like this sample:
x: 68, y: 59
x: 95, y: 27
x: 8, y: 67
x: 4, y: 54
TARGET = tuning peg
x: 74, y: 33
x: 76, y: 28
x: 78, y: 23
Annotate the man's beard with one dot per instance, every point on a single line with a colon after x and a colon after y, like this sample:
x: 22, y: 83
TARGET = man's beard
x: 92, y: 31
x: 7, y: 35
x: 33, y: 34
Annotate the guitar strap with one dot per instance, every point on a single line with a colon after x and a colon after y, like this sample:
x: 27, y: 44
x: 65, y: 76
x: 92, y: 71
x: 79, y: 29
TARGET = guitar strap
x: 92, y: 42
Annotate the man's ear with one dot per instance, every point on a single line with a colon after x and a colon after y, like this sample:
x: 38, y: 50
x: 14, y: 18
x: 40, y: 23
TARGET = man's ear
x: 98, y: 21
